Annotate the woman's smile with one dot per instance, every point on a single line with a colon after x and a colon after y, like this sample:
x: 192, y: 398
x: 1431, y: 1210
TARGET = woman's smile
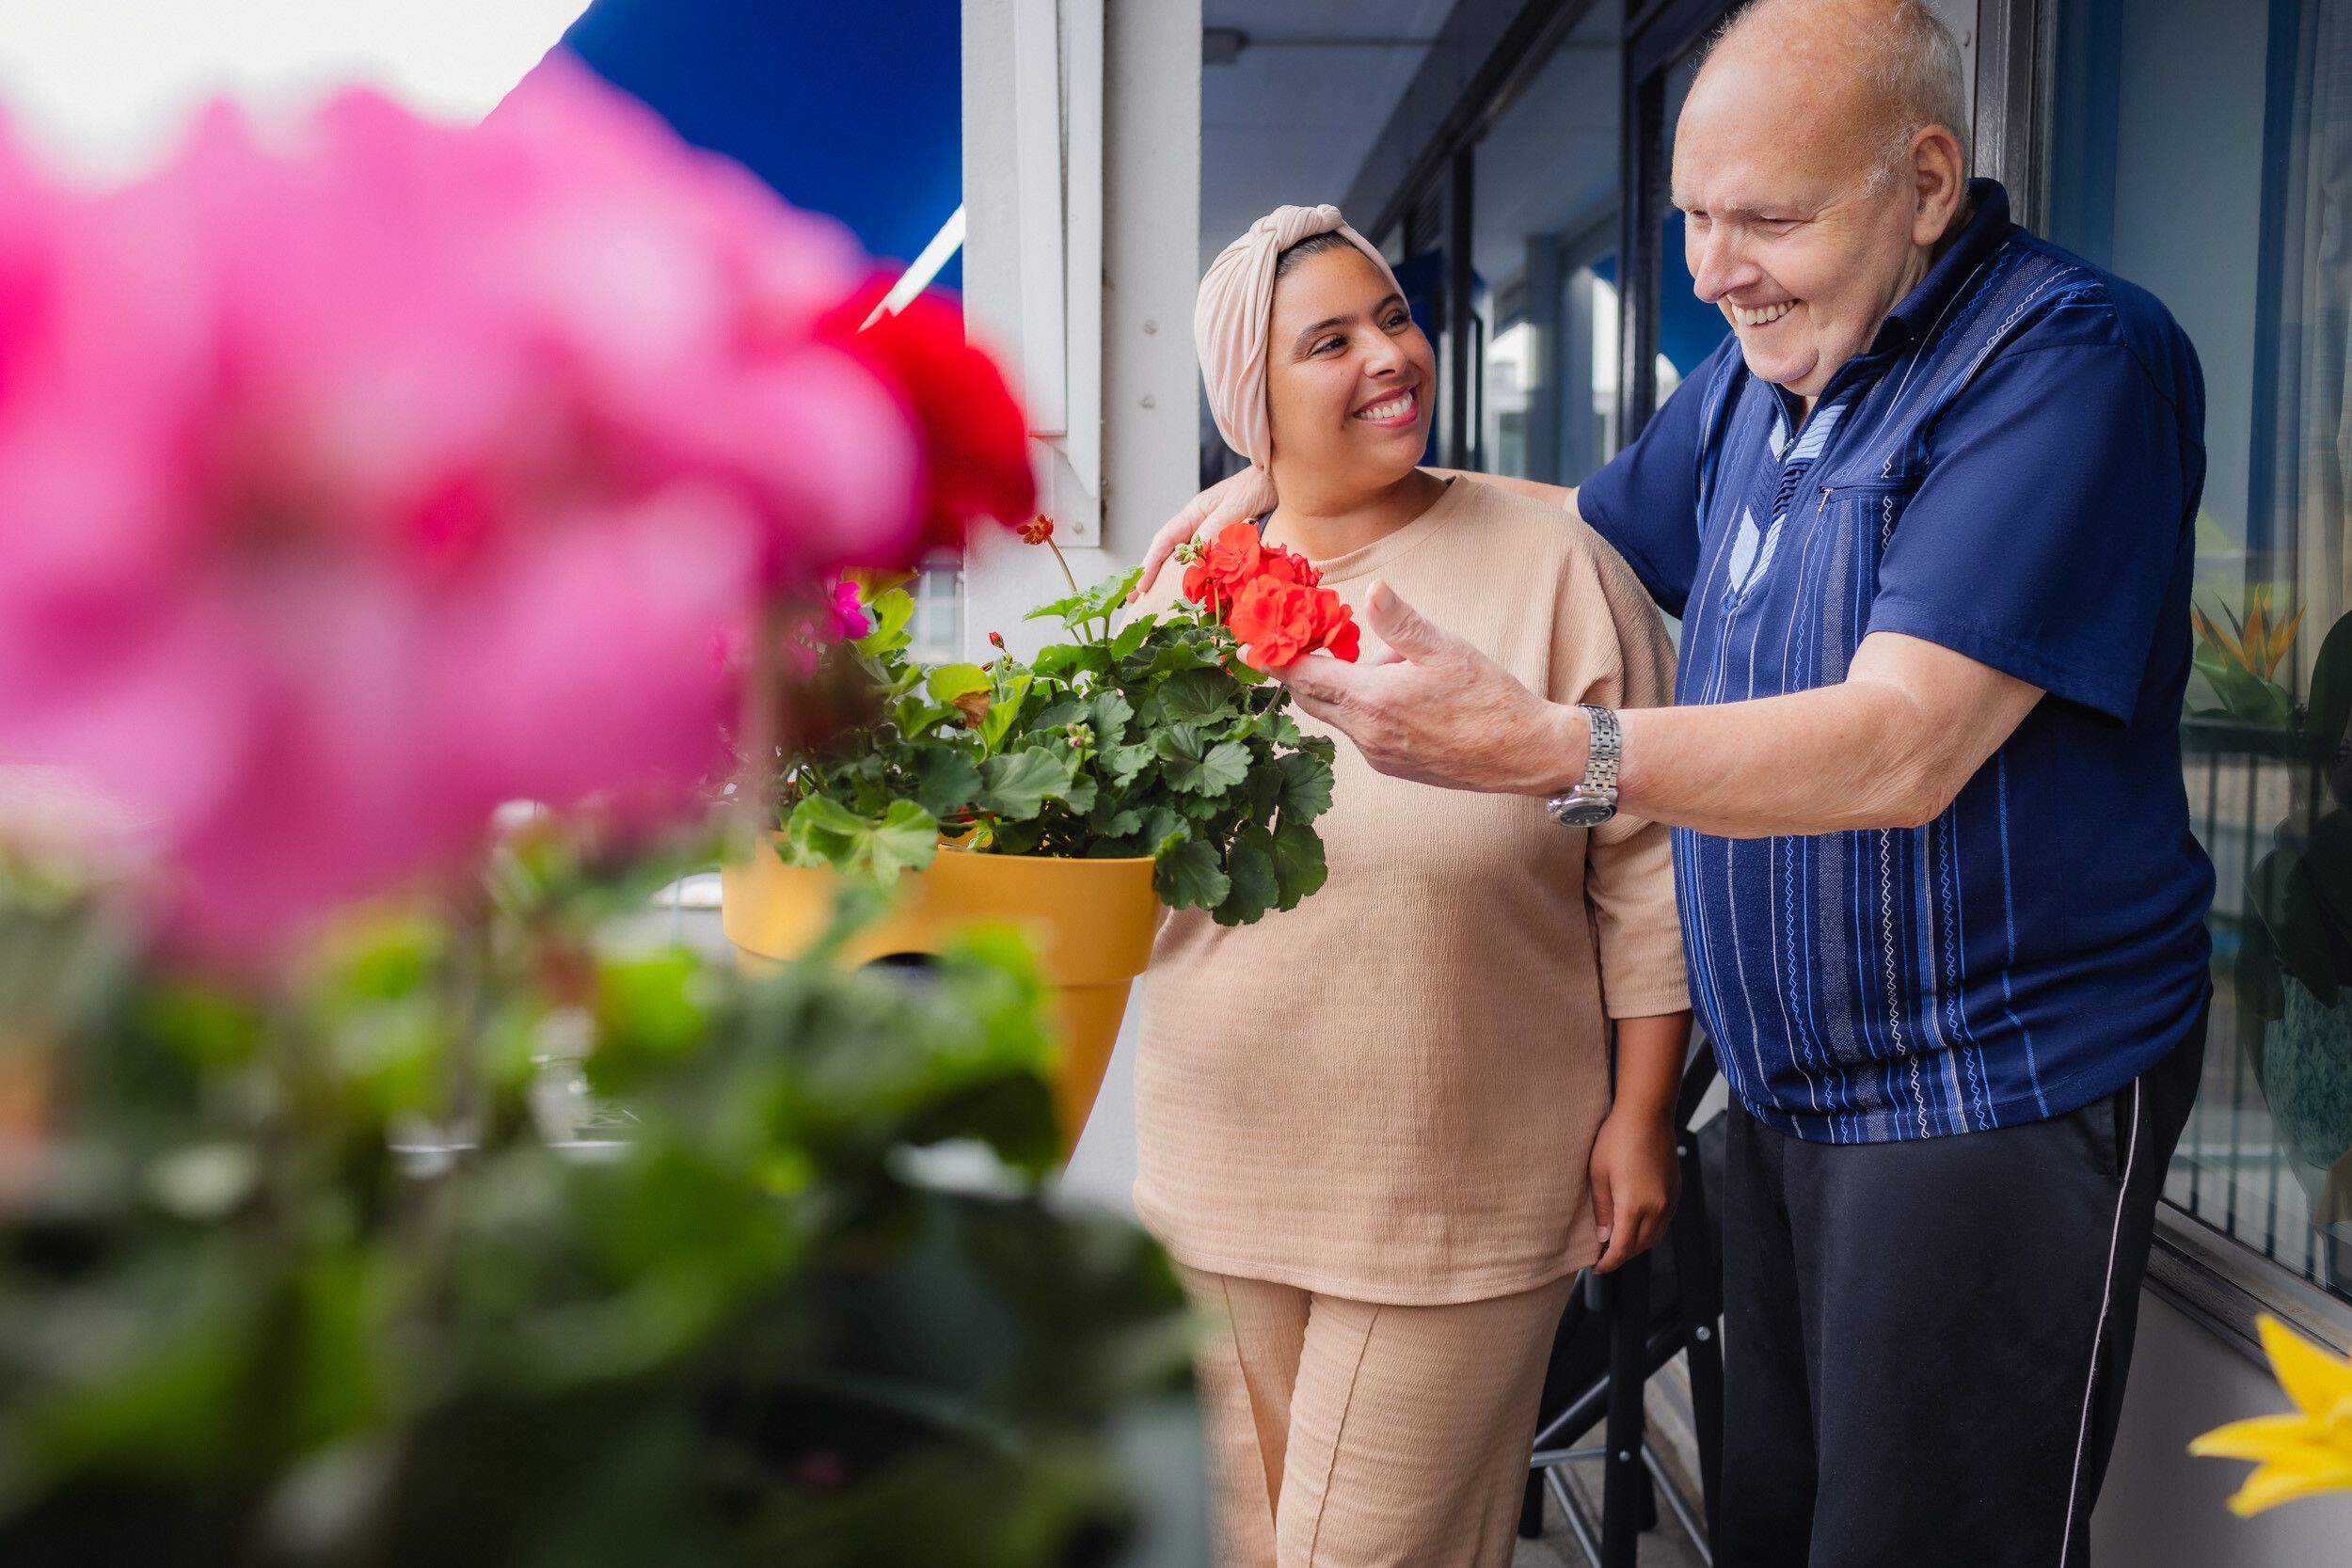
x: 1392, y: 408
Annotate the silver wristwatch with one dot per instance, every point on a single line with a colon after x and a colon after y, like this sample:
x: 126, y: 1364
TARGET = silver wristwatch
x: 1593, y: 801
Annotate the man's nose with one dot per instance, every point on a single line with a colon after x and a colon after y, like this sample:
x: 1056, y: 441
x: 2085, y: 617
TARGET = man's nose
x: 1717, y: 265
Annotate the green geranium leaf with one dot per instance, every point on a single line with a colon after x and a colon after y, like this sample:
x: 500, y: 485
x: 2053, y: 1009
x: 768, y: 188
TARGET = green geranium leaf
x: 1122, y: 763
x: 823, y: 831
x: 1017, y: 785
x: 1188, y: 878
x: 1306, y: 786
x: 1096, y: 603
x: 1002, y: 710
x: 1130, y: 636
x: 950, y: 681
x: 1299, y: 865
x: 945, y: 780
x: 1056, y: 661
x: 1193, y: 769
x: 1249, y: 872
x: 1112, y: 710
x: 1070, y: 710
x: 890, y: 614
x: 1196, y: 696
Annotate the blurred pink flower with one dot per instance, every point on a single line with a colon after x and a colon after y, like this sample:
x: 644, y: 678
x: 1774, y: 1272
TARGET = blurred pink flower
x: 349, y: 490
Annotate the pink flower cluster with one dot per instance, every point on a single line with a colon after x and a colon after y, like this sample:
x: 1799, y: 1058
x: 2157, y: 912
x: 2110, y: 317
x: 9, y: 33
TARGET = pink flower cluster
x: 351, y: 489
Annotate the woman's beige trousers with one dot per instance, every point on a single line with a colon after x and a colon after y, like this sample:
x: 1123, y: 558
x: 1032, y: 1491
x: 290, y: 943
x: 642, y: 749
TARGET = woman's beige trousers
x: 1345, y: 1434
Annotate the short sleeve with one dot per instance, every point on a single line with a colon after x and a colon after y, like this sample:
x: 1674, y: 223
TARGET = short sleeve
x: 1610, y: 647
x: 2045, y: 533
x: 1645, y: 500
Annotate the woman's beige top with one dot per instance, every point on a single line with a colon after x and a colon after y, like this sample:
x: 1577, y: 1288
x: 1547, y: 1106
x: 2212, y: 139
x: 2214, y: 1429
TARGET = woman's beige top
x: 1390, y: 1092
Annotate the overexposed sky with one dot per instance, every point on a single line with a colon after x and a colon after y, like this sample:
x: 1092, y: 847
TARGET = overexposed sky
x: 103, y: 86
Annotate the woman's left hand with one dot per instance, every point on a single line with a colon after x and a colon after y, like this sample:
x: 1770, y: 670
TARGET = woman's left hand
x: 1635, y: 1180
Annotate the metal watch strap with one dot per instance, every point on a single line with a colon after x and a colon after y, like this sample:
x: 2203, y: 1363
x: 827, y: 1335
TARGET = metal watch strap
x: 1593, y: 801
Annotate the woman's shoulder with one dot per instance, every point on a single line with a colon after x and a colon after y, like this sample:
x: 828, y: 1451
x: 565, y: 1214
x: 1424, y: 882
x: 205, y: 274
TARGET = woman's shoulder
x: 1532, y: 535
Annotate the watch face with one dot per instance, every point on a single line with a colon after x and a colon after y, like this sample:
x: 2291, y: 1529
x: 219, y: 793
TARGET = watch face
x: 1584, y: 814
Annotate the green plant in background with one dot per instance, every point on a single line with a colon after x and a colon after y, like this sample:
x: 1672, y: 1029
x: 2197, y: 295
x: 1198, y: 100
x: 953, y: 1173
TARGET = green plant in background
x: 2301, y: 890
x: 296, y: 1272
x: 1152, y: 739
x: 2241, y: 664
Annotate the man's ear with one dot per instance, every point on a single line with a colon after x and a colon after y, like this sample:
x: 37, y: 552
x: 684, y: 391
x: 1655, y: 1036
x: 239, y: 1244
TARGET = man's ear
x: 1939, y: 183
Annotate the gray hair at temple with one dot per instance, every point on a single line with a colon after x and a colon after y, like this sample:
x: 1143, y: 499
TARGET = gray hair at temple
x: 1908, y: 59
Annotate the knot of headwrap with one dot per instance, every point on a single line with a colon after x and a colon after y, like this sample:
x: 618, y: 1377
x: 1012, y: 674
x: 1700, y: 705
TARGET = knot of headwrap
x: 1233, y: 319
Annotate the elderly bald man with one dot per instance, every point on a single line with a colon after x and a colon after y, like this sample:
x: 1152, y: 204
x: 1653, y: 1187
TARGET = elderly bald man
x: 1926, y: 517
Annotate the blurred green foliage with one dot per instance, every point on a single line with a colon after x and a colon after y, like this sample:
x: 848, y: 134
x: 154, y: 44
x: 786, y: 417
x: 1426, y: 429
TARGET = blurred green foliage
x: 293, y: 1274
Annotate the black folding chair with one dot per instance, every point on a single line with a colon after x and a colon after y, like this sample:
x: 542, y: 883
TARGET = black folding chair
x: 1618, y: 1330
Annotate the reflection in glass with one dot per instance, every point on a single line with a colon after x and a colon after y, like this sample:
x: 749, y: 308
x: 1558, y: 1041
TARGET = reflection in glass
x: 2163, y: 107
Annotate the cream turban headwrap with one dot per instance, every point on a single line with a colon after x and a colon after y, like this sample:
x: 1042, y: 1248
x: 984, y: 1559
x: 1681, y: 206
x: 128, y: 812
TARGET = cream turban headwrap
x: 1233, y: 319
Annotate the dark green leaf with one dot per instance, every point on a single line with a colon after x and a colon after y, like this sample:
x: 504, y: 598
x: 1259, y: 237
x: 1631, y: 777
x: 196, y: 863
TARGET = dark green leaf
x: 1306, y: 781
x: 1299, y: 865
x: 1188, y: 877
x: 1196, y: 696
x: 1249, y: 873
x: 1122, y: 763
x: 2282, y: 891
x: 945, y: 779
x: 1198, y: 771
x: 1018, y: 784
x: 1112, y: 710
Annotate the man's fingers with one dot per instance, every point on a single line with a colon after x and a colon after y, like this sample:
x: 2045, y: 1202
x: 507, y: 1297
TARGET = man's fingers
x: 1407, y: 633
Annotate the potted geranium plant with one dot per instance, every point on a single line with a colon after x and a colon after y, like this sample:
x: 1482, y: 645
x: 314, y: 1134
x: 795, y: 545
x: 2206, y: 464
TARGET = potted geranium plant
x: 1129, y: 768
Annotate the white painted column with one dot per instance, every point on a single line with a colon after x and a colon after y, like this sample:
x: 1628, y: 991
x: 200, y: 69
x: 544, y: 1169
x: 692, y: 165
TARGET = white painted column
x: 1079, y: 268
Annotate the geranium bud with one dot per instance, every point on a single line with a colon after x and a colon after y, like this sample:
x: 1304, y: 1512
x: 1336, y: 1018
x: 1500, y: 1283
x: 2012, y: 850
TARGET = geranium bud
x: 1081, y: 734
x: 1037, y: 531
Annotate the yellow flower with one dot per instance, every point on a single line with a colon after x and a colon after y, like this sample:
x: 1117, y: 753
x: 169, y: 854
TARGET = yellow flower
x: 2300, y: 1455
x: 2260, y: 643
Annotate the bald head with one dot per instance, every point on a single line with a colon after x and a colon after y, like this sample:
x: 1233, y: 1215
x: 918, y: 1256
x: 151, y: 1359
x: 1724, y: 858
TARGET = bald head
x: 1821, y: 163
x: 1881, y: 69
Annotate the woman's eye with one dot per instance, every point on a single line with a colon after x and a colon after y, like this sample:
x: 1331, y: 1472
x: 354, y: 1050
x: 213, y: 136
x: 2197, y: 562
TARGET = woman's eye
x: 1329, y: 343
x: 1398, y: 320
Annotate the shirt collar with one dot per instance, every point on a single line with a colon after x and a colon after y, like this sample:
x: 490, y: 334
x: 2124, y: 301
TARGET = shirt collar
x: 1987, y: 229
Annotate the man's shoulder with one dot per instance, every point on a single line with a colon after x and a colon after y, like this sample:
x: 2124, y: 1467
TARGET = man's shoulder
x: 2081, y: 305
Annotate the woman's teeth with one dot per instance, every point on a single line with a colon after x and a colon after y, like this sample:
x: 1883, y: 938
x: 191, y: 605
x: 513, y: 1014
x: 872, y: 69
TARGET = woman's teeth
x: 1763, y: 315
x: 1395, y: 407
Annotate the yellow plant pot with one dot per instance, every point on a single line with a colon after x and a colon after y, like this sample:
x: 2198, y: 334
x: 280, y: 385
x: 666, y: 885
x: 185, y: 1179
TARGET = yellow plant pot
x: 1092, y: 921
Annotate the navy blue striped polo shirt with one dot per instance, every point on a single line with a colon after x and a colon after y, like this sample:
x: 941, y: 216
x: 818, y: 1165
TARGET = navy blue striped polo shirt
x: 2013, y: 471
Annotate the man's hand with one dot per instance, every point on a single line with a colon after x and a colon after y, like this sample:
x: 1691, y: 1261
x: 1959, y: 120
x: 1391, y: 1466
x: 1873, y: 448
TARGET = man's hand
x: 1235, y: 499
x: 1433, y: 709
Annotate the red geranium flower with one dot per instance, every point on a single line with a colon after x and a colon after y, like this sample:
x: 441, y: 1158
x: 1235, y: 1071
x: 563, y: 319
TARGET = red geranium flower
x: 971, y: 429
x: 1037, y: 531
x: 1228, y: 563
x: 1285, y: 621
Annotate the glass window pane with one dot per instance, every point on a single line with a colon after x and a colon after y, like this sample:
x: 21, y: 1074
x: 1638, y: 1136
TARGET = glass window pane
x: 2203, y: 159
x: 1543, y: 233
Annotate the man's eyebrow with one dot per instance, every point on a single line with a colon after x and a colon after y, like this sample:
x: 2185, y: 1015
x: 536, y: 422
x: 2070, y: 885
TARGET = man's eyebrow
x: 1341, y: 321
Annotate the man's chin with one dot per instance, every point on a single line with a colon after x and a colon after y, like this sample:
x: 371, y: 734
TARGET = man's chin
x: 1798, y: 374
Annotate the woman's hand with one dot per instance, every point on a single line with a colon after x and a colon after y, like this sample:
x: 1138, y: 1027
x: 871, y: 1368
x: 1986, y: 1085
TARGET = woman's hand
x: 1235, y: 499
x: 1635, y: 1180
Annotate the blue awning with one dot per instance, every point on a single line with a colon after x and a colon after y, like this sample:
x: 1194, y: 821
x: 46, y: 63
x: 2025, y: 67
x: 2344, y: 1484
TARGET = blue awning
x: 855, y: 110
